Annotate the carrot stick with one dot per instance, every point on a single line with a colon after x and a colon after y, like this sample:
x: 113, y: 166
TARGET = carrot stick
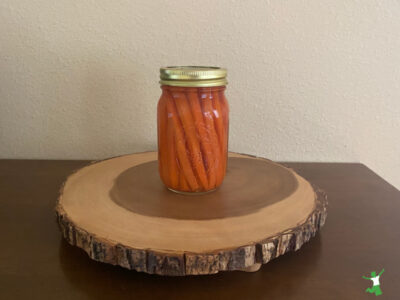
x: 208, y: 114
x: 219, y: 125
x: 171, y: 153
x: 183, y: 183
x: 188, y: 125
x: 225, y: 110
x: 204, y: 137
x: 162, y: 141
x: 179, y: 140
x: 225, y: 118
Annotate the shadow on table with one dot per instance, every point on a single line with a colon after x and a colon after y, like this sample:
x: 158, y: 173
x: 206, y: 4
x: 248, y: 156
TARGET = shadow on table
x: 281, y: 277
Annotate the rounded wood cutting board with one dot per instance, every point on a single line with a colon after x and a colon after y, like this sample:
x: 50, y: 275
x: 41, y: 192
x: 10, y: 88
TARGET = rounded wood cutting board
x: 119, y: 212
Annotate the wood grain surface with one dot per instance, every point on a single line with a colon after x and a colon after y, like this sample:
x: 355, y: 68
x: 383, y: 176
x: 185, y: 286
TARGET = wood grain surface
x: 119, y: 212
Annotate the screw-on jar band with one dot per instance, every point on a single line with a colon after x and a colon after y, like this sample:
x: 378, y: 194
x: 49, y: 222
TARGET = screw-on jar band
x: 193, y: 76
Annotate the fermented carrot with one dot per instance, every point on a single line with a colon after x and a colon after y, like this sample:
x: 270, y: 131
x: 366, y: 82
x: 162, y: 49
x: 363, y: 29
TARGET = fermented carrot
x: 205, y: 142
x: 171, y: 153
x: 179, y: 141
x: 162, y: 141
x: 186, y: 118
x: 219, y: 126
x: 183, y: 183
x: 225, y: 110
x: 225, y: 118
x: 210, y: 127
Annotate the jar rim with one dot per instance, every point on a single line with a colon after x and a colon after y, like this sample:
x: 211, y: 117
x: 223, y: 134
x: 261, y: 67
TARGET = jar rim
x: 193, y: 76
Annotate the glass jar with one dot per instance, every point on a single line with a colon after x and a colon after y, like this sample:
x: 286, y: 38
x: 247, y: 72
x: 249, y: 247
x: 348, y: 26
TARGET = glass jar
x: 193, y: 121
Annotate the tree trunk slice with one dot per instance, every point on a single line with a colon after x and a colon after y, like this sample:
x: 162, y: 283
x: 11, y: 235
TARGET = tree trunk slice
x: 118, y: 211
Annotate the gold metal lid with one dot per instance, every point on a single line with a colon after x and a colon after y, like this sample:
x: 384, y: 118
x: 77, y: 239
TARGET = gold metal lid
x: 193, y: 76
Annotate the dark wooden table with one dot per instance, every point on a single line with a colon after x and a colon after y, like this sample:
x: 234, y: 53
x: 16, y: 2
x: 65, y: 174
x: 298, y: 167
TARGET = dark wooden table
x: 362, y: 234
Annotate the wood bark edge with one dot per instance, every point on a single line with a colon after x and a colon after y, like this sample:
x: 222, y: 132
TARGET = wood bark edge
x: 179, y: 264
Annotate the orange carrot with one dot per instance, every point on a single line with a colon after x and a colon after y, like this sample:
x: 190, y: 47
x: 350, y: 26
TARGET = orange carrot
x: 171, y: 153
x: 225, y: 110
x: 186, y: 118
x: 208, y: 114
x: 225, y: 118
x: 204, y: 137
x: 179, y: 141
x: 183, y: 183
x: 219, y: 126
x: 218, y: 121
x: 162, y: 141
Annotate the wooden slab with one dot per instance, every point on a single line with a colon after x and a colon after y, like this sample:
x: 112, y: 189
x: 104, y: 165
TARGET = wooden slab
x: 119, y: 212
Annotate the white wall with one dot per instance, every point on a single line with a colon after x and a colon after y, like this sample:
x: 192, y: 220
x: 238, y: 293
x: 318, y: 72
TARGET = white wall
x: 309, y: 80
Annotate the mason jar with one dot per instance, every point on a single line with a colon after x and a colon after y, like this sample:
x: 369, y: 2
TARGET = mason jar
x: 193, y: 126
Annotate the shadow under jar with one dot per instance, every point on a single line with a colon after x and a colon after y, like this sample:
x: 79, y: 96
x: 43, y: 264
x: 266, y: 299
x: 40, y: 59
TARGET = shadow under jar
x: 193, y: 125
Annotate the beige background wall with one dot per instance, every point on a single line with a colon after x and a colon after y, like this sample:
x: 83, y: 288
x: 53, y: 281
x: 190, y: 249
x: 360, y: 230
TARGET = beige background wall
x: 309, y: 80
